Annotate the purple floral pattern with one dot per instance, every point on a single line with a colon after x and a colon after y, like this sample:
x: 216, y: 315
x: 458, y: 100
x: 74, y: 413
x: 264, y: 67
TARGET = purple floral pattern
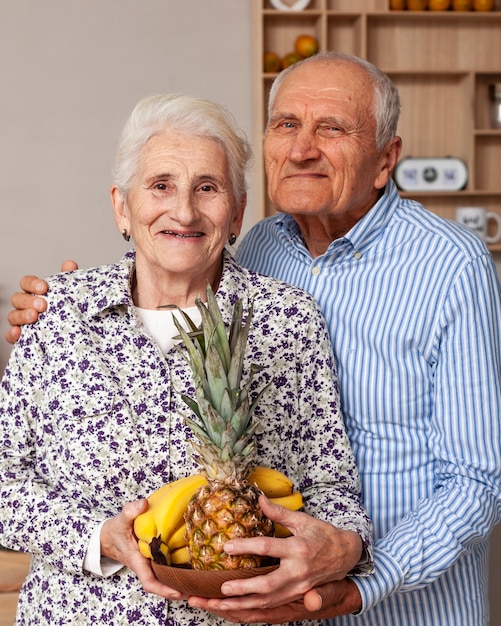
x: 91, y: 417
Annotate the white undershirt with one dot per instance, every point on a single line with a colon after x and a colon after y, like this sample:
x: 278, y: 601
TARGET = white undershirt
x: 160, y: 326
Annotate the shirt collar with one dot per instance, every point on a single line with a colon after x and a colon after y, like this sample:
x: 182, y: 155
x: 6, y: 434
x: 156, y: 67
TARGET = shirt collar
x: 116, y: 286
x: 370, y: 227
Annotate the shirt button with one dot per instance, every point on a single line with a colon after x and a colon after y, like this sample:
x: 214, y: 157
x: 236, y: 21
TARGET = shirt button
x: 315, y: 271
x: 357, y: 256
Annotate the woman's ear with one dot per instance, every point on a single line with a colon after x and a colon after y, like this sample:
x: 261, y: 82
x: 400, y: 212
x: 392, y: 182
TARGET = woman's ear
x: 119, y: 209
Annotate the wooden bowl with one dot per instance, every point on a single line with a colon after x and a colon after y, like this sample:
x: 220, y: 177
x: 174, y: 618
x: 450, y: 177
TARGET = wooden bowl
x: 206, y: 584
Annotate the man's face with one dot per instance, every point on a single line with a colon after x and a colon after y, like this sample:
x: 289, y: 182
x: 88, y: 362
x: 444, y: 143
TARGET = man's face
x: 320, y: 151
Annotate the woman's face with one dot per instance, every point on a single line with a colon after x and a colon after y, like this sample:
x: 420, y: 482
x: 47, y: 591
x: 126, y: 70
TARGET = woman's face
x: 180, y: 208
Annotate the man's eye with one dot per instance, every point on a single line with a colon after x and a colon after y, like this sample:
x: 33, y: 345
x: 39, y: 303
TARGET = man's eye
x: 329, y: 131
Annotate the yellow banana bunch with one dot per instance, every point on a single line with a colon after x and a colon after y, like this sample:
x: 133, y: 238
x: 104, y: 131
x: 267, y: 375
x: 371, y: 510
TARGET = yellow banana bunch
x: 272, y: 483
x: 165, y: 515
x: 293, y: 502
x: 160, y: 530
x: 181, y: 556
x: 178, y: 539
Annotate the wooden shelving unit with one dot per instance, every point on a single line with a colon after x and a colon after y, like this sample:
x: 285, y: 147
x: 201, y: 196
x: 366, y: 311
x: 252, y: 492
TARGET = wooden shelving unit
x: 442, y: 63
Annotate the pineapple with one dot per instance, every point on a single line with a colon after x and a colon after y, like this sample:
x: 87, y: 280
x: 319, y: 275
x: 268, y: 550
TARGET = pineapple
x: 227, y: 506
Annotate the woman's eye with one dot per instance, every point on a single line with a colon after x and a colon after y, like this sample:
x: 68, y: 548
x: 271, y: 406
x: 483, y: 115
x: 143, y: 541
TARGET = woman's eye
x: 160, y: 186
x: 207, y: 188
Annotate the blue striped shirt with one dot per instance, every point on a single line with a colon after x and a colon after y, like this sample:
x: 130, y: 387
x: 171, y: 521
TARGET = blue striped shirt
x: 413, y: 306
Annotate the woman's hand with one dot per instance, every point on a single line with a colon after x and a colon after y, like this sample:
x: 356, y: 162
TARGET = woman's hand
x: 316, y: 554
x: 118, y: 542
x: 27, y: 305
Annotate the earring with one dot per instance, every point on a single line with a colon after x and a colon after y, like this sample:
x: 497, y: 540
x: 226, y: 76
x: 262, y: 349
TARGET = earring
x: 125, y: 235
x: 232, y: 239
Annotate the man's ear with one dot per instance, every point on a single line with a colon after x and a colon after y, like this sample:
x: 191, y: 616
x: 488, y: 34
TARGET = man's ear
x: 389, y: 157
x: 238, y: 218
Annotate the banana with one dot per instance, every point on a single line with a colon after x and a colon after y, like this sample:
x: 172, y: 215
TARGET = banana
x: 164, y: 549
x: 272, y: 483
x: 166, y: 507
x: 168, y: 513
x: 161, y: 493
x: 281, y: 531
x: 181, y: 556
x: 145, y: 527
x: 178, y: 539
x: 144, y: 548
x: 293, y: 502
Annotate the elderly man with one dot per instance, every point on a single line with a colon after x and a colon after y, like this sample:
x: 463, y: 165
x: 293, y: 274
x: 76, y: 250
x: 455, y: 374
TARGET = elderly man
x: 413, y: 306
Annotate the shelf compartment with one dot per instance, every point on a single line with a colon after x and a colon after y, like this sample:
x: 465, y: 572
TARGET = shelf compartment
x: 345, y: 33
x: 442, y: 41
x: 280, y: 31
x: 482, y: 98
x: 488, y: 162
x: 425, y: 123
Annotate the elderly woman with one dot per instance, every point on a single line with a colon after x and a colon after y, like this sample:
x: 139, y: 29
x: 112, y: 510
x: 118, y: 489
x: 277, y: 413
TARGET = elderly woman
x: 91, y: 415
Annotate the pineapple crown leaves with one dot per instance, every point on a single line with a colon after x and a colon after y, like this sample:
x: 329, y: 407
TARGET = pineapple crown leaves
x: 216, y: 357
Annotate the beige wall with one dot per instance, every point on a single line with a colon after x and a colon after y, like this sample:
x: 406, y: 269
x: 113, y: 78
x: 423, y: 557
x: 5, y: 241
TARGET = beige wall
x: 70, y: 73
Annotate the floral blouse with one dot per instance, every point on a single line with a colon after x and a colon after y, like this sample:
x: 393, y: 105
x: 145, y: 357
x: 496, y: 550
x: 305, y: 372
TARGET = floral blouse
x: 91, y: 417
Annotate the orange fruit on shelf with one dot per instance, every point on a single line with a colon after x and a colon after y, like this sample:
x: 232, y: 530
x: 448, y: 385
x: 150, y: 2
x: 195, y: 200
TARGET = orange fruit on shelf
x: 290, y: 58
x: 439, y: 5
x: 271, y: 62
x: 483, y: 5
x: 306, y: 46
x: 417, y: 5
x: 397, y: 5
x: 461, y: 5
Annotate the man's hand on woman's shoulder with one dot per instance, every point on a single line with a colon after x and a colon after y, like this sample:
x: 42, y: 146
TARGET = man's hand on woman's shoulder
x: 27, y: 303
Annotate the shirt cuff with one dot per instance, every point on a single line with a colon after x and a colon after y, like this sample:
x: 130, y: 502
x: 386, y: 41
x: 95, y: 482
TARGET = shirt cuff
x: 96, y: 564
x: 386, y: 579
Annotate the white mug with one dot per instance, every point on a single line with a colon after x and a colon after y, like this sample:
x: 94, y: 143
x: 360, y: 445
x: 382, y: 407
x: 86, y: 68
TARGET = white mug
x: 477, y: 218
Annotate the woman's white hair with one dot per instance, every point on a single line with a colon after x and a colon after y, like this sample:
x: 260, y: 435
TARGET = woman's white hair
x: 185, y: 114
x: 386, y: 100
